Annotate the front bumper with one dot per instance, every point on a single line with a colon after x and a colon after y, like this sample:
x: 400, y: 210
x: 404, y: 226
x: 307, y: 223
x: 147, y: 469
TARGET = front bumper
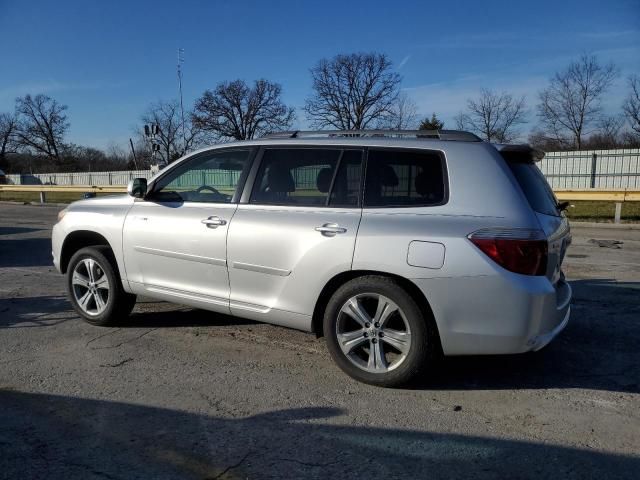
x: 56, y: 245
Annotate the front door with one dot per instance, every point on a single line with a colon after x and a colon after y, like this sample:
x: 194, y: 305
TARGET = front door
x: 175, y: 240
x: 296, y: 232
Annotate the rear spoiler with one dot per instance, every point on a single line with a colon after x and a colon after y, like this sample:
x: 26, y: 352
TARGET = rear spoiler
x: 522, y: 153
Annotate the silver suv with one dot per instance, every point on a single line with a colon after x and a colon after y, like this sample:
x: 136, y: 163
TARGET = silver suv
x: 396, y: 246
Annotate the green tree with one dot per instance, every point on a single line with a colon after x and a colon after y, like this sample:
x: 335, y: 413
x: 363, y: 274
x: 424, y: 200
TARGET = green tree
x: 433, y: 123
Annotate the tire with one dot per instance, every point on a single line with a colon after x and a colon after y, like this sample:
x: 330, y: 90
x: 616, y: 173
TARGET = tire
x: 103, y: 301
x: 372, y: 354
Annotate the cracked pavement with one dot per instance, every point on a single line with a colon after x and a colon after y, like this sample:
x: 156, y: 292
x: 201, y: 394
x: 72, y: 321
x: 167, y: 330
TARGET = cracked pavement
x: 183, y: 393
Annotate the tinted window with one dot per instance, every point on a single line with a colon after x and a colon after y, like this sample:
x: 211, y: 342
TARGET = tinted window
x: 207, y: 178
x: 403, y: 178
x: 346, y: 186
x: 535, y: 188
x: 304, y: 177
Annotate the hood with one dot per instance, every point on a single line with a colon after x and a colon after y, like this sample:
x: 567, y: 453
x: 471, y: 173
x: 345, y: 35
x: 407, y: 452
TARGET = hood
x: 103, y: 200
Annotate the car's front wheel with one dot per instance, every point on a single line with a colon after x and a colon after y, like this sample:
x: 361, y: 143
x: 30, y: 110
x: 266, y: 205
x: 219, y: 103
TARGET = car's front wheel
x: 94, y: 287
x: 376, y: 332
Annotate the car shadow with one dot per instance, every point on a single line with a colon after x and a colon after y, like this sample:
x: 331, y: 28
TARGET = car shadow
x: 25, y: 252
x: 598, y: 349
x: 34, y: 312
x: 66, y: 437
x: 48, y: 311
x: 17, y: 230
x: 178, y: 317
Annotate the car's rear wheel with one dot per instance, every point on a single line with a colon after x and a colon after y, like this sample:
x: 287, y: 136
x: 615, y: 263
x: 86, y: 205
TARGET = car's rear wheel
x: 94, y: 287
x: 376, y: 332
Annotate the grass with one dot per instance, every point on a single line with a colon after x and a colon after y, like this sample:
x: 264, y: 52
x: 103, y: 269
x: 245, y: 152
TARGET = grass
x: 51, y: 197
x: 583, y: 211
x: 588, y: 211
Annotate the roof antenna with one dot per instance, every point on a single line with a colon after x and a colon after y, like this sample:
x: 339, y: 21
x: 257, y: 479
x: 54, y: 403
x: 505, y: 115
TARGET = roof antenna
x: 180, y: 62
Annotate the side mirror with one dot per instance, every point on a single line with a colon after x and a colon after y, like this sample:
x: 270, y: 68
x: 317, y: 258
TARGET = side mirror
x: 137, y: 187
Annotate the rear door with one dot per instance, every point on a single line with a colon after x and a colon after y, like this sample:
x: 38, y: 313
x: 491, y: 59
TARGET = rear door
x: 296, y: 231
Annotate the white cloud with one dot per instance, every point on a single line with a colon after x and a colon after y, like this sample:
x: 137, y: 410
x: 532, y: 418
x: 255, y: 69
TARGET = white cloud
x: 404, y: 61
x: 615, y: 35
x: 447, y: 99
x: 9, y: 93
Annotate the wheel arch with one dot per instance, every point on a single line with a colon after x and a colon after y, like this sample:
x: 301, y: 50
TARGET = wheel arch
x: 76, y: 240
x: 340, y: 279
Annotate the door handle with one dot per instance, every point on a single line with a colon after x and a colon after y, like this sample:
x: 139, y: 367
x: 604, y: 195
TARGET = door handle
x: 213, y: 222
x: 330, y: 229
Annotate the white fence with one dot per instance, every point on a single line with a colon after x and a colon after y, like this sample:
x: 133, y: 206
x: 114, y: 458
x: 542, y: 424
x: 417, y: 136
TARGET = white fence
x: 605, y: 169
x: 81, y: 178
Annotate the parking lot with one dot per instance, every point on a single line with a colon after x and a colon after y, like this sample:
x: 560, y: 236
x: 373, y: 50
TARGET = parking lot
x: 183, y: 393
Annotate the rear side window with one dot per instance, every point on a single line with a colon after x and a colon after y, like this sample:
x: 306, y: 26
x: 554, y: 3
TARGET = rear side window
x: 535, y: 188
x: 397, y: 178
x: 308, y: 177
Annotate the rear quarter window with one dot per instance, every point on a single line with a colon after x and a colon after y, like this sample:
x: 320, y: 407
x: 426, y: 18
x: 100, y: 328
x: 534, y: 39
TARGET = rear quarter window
x: 535, y: 188
x: 404, y: 178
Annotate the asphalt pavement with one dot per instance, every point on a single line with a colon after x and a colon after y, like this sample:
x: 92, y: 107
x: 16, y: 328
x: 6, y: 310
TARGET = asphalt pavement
x: 183, y: 393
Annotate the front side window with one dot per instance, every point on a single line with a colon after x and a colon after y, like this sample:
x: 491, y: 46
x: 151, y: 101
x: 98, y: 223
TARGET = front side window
x: 401, y: 178
x: 208, y: 178
x: 308, y: 177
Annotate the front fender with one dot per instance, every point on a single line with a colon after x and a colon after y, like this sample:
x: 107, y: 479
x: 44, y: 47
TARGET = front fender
x: 104, y: 220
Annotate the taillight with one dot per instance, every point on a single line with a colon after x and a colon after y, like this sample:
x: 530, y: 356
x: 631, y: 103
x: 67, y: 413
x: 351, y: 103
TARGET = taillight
x: 515, y: 249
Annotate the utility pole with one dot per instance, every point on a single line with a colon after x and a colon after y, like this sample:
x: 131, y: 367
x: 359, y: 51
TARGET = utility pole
x: 133, y: 150
x: 180, y: 62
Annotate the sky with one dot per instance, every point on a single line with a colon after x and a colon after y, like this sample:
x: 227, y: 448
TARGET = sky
x: 108, y: 60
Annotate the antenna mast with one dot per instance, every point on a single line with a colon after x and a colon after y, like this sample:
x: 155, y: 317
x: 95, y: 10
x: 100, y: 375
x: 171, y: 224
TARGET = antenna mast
x: 180, y: 62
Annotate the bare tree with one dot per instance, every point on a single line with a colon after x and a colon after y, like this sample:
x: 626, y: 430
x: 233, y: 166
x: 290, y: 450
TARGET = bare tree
x: 433, y: 123
x: 79, y: 157
x: 173, y: 144
x: 609, y: 128
x: 353, y: 92
x: 235, y: 110
x: 493, y: 116
x: 631, y: 106
x: 8, y: 126
x: 42, y: 125
x: 119, y: 157
x: 546, y: 143
x: 607, y: 135
x: 571, y: 106
x: 403, y: 114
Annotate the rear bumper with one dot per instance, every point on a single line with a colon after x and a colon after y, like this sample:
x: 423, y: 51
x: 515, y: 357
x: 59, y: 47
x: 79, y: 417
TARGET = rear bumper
x: 497, y: 314
x: 544, y: 339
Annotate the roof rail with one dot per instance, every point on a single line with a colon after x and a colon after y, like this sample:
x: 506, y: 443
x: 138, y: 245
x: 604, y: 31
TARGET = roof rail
x: 457, y: 135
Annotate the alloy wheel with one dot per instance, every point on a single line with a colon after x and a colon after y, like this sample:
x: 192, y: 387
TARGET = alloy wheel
x: 90, y: 286
x: 373, y: 332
